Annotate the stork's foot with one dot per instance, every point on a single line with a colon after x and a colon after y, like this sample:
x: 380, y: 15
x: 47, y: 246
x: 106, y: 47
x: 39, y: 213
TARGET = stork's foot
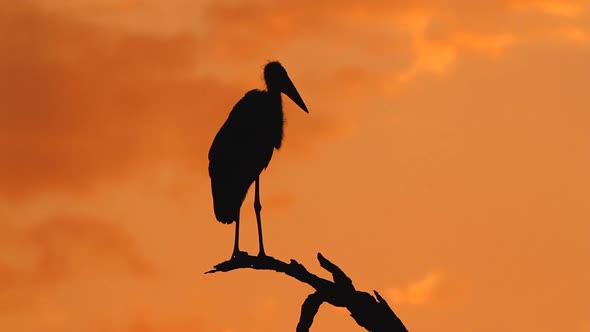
x: 237, y: 254
x: 262, y: 254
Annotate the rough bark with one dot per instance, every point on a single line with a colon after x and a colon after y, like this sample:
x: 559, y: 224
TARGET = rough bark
x: 371, y: 312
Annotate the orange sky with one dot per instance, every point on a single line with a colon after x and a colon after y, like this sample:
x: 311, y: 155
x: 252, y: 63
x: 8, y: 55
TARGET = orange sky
x: 444, y: 162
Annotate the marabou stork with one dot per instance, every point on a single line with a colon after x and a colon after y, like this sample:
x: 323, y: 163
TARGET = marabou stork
x: 244, y: 145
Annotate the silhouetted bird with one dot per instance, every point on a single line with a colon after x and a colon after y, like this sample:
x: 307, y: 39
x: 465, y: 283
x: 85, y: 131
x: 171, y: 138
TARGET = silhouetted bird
x: 244, y: 145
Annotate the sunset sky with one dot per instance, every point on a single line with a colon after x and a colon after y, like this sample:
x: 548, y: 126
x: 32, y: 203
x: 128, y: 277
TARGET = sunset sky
x: 445, y: 162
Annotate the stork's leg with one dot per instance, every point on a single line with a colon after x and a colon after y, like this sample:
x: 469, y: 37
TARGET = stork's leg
x: 237, y: 251
x: 257, y: 209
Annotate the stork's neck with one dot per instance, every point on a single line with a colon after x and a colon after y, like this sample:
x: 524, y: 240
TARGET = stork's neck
x: 273, y: 118
x: 275, y: 97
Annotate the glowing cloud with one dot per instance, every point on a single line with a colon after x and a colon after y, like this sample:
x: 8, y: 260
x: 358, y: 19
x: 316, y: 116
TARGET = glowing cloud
x: 417, y: 292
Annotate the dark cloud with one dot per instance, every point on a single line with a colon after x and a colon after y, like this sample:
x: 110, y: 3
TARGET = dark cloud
x: 81, y: 103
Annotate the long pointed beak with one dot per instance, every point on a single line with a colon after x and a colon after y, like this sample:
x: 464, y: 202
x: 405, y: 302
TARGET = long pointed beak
x: 292, y: 93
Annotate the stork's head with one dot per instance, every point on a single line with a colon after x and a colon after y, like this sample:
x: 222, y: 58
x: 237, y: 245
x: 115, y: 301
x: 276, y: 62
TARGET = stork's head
x: 277, y: 79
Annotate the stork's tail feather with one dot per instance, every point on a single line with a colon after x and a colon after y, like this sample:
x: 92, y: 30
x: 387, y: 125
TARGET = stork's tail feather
x: 224, y: 216
x: 227, y: 201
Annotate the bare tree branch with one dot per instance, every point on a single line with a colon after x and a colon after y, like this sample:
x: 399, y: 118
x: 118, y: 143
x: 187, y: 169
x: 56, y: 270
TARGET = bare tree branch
x: 309, y: 309
x: 372, y: 313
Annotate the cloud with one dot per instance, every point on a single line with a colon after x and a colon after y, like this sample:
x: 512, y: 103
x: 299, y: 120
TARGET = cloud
x: 172, y: 324
x: 561, y: 8
x: 400, y: 39
x: 82, y: 103
x: 417, y: 292
x: 61, y: 248
x: 576, y: 34
x: 41, y: 263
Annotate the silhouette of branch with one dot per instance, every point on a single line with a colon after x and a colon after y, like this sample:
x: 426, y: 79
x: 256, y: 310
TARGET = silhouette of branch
x: 309, y: 309
x: 372, y: 313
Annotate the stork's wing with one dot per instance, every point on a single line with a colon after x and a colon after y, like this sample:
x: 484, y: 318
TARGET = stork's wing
x: 235, y: 159
x: 234, y: 133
